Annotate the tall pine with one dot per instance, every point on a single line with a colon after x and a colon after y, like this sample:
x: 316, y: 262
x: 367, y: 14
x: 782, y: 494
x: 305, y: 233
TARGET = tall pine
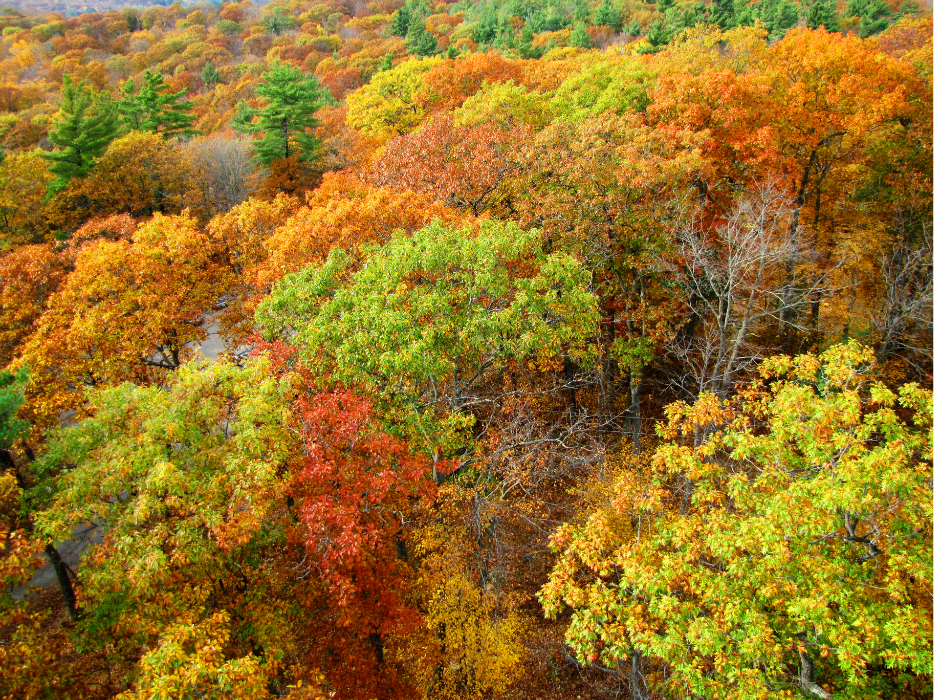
x: 85, y: 126
x: 608, y: 16
x: 579, y: 37
x: 292, y: 98
x: 420, y: 41
x: 155, y: 108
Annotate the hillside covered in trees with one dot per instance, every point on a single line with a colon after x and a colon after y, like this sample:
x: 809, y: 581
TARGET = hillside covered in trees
x: 571, y: 350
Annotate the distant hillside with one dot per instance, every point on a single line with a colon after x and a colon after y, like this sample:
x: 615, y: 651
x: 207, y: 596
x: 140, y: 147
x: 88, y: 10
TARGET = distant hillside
x: 76, y: 7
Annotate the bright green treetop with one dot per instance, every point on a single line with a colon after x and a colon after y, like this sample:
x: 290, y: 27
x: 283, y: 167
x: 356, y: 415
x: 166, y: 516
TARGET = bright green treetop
x: 155, y: 109
x: 427, y: 317
x: 11, y: 398
x: 777, y: 543
x: 608, y: 16
x: 166, y: 468
x: 210, y: 76
x: 420, y: 41
x: 86, y: 125
x: 579, y: 37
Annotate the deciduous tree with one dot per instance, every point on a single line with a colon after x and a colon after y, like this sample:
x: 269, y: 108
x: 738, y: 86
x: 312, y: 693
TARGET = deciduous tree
x: 789, y: 548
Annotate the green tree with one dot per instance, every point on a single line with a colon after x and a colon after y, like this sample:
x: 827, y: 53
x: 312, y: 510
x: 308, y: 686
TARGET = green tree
x: 155, y: 108
x: 789, y: 546
x: 429, y: 316
x: 210, y: 76
x: 778, y: 16
x: 276, y: 22
x: 823, y: 14
x: 579, y: 37
x: 524, y: 46
x: 657, y: 37
x: 485, y: 31
x: 400, y: 21
x: 607, y: 15
x: 292, y: 98
x: 420, y: 41
x: 874, y: 15
x: 722, y: 13
x: 86, y: 124
x: 180, y: 475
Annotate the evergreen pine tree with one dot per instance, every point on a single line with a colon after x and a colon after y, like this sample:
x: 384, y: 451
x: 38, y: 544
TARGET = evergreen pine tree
x: 385, y: 63
x: 210, y: 76
x: 875, y: 16
x: 156, y: 110
x: 400, y: 21
x: 606, y: 15
x: 823, y: 14
x: 778, y: 16
x: 634, y: 28
x: 85, y: 126
x: 655, y: 38
x: 276, y: 23
x: 505, y: 36
x: 524, y: 46
x: 292, y: 98
x: 580, y: 11
x: 420, y: 41
x: 485, y: 31
x: 579, y: 37
x: 555, y: 19
x: 722, y: 13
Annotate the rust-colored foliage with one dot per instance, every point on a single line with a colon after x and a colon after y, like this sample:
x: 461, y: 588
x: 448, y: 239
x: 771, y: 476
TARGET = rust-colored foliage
x: 463, y: 167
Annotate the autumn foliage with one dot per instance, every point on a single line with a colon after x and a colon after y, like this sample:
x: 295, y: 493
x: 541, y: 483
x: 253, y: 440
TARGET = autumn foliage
x: 474, y: 350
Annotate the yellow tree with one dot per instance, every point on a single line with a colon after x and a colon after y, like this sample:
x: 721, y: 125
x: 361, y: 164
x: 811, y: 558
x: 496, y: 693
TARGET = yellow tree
x: 140, y: 174
x: 24, y: 182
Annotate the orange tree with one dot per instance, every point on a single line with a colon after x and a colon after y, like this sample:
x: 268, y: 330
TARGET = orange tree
x: 28, y: 277
x: 129, y: 309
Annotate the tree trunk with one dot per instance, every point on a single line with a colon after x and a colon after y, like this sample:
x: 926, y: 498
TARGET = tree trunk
x: 636, y: 678
x: 61, y: 571
x: 569, y: 386
x: 806, y: 678
x: 634, y: 411
x: 376, y: 641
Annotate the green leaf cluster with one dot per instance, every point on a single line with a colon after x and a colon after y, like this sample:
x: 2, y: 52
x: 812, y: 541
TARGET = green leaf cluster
x: 180, y: 478
x: 425, y: 318
x: 795, y: 533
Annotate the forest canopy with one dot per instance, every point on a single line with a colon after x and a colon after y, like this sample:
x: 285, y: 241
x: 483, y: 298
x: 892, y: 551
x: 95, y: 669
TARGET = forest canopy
x: 513, y: 349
